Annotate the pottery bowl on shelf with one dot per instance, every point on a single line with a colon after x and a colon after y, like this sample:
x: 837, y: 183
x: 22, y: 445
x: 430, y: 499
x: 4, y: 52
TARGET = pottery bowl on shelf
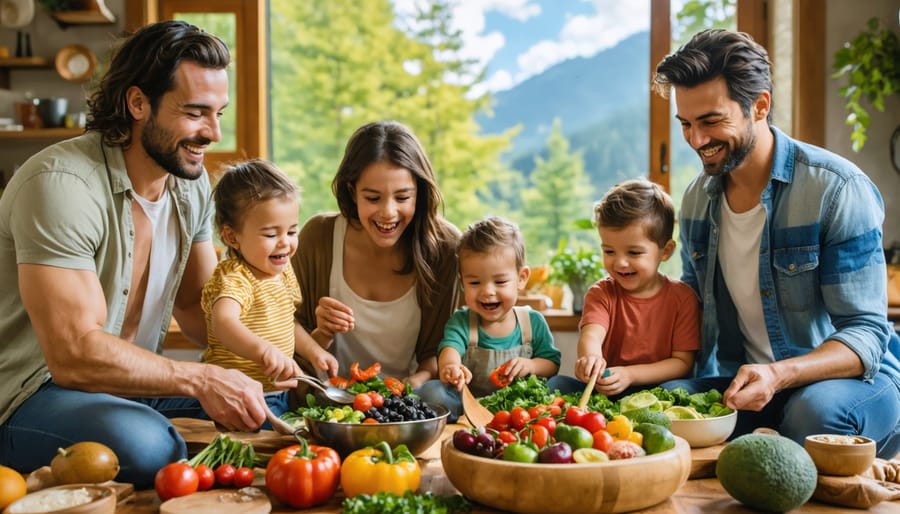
x: 700, y: 433
x: 66, y: 499
x: 597, y: 487
x: 417, y: 435
x: 840, y: 455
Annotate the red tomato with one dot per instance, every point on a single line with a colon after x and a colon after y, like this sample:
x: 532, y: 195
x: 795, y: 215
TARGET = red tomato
x: 341, y: 382
x: 225, y: 475
x: 243, y: 477
x: 518, y: 418
x: 176, y: 479
x: 539, y: 435
x: 362, y: 402
x: 555, y: 410
x: 573, y: 416
x: 507, y: 437
x: 593, y: 421
x: 207, y: 477
x: 370, y: 421
x: 377, y: 399
x: 558, y: 401
x: 500, y: 420
x: 537, y: 410
x: 395, y: 386
x: 548, y: 423
x: 603, y: 440
x: 303, y: 475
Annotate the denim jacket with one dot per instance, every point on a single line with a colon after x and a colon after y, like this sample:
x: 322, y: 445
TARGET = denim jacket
x: 822, y: 272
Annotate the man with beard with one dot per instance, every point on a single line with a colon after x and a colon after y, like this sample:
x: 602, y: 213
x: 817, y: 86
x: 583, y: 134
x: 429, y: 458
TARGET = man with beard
x: 782, y: 241
x: 103, y: 238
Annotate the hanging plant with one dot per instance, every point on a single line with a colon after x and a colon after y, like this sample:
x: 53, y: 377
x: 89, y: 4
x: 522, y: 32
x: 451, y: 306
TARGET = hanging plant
x: 871, y: 63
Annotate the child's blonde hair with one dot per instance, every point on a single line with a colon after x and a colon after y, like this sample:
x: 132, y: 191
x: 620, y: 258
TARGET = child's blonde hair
x: 493, y: 232
x: 246, y: 184
x: 638, y: 201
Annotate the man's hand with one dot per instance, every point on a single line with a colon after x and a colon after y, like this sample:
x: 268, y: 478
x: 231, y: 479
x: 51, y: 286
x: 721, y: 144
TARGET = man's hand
x: 231, y: 398
x: 752, y: 388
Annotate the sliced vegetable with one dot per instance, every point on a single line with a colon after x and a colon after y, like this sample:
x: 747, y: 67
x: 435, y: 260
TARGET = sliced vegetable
x: 498, y: 377
x: 379, y: 469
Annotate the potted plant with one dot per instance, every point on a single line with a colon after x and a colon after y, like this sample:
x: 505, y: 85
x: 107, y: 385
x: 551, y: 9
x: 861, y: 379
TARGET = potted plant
x: 576, y: 268
x: 871, y: 63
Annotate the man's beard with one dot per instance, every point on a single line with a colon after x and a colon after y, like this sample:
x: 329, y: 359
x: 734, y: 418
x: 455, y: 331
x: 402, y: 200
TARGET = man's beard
x: 154, y: 139
x: 734, y: 158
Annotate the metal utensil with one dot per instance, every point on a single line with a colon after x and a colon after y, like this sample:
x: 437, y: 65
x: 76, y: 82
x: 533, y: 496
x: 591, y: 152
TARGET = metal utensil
x: 334, y: 394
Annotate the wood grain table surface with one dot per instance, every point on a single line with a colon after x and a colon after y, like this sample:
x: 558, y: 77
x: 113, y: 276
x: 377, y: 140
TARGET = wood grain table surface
x: 697, y: 495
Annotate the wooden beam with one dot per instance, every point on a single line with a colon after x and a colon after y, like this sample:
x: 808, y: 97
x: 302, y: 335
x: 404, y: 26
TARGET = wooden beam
x: 809, y: 72
x: 752, y: 18
x: 660, y: 46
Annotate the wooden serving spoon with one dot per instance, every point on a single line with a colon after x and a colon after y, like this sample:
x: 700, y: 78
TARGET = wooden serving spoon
x: 586, y: 395
x: 476, y: 413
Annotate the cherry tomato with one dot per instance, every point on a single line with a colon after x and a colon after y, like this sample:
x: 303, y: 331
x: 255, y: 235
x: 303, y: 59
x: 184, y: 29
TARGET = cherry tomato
x: 558, y: 401
x: 518, y: 418
x: 362, y: 402
x: 573, y: 416
x: 243, y: 477
x: 506, y: 437
x: 225, y: 475
x: 537, y: 410
x: 500, y: 420
x: 207, y: 477
x: 370, y: 421
x: 539, y: 435
x: 602, y: 440
x: 593, y: 421
x: 548, y: 423
x: 176, y: 479
x: 555, y: 410
x: 377, y: 399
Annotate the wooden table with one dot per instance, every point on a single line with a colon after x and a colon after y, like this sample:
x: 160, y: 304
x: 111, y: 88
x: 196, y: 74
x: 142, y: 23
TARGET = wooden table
x: 698, y: 495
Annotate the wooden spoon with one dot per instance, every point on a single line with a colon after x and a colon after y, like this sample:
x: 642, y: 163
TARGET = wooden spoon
x: 586, y: 395
x: 476, y: 413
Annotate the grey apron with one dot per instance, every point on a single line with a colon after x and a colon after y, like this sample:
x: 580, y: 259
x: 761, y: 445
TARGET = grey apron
x: 481, y: 361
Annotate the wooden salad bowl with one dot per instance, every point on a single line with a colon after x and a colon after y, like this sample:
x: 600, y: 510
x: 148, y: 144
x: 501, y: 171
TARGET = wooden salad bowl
x: 602, y: 487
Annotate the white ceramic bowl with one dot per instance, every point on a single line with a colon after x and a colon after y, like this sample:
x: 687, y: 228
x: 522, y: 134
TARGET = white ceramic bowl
x: 590, y: 488
x: 700, y: 433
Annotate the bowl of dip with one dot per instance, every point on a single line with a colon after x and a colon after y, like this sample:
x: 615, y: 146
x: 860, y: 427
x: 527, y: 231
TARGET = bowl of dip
x: 840, y: 455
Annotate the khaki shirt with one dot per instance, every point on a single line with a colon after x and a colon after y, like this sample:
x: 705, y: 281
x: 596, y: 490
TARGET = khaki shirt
x: 69, y: 206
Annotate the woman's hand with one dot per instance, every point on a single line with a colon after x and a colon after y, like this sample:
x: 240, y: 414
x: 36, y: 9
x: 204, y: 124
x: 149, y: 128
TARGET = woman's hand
x: 333, y: 317
x: 456, y: 375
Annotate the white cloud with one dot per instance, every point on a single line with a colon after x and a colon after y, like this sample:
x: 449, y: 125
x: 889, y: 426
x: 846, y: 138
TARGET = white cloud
x: 499, y: 81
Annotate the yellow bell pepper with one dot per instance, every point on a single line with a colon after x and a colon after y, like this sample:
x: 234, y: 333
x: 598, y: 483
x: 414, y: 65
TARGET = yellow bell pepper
x: 378, y: 469
x: 619, y: 427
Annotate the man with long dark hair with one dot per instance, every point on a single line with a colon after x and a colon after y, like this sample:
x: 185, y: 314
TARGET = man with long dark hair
x: 103, y: 238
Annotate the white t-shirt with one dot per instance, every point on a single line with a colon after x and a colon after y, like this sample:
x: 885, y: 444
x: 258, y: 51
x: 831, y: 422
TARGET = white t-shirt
x: 739, y: 241
x: 163, y: 250
x: 384, y: 332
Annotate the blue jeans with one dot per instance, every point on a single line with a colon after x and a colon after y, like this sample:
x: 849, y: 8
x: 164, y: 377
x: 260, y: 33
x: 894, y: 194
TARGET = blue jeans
x: 435, y: 391
x: 137, y: 429
x: 836, y: 406
x: 568, y: 385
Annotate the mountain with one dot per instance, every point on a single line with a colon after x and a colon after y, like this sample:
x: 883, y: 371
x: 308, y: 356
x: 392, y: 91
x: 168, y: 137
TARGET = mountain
x: 581, y: 92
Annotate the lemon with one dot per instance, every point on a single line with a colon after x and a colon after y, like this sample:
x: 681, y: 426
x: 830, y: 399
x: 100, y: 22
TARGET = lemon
x: 585, y: 455
x: 639, y: 400
x: 682, y: 412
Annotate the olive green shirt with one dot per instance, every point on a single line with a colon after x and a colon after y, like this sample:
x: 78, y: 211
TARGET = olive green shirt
x: 69, y: 206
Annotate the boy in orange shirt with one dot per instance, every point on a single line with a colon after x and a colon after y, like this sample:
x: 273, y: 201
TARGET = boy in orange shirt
x: 640, y: 325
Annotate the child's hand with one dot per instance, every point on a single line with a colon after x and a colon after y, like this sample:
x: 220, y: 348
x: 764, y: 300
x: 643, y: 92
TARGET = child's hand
x: 518, y: 367
x: 279, y: 367
x: 456, y: 375
x: 589, y: 365
x: 326, y: 362
x: 618, y: 379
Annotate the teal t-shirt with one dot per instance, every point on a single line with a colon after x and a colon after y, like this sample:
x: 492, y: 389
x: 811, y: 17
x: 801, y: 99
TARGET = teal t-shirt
x: 456, y: 335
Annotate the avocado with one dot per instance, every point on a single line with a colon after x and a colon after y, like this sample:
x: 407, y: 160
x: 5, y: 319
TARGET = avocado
x: 767, y: 472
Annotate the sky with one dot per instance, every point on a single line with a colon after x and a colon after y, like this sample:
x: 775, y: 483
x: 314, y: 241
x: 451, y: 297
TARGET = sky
x: 517, y: 39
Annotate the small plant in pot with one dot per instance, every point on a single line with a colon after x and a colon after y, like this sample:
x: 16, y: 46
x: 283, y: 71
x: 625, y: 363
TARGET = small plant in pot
x: 577, y: 268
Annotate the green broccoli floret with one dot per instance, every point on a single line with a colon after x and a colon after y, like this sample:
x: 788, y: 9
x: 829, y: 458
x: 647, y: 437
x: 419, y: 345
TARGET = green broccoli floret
x: 663, y: 395
x: 681, y: 396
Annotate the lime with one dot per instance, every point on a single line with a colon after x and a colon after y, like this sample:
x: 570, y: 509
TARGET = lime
x: 682, y: 412
x: 585, y: 455
x: 657, y: 438
x: 645, y: 415
x: 639, y: 400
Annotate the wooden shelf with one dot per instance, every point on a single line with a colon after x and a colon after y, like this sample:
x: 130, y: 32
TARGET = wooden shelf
x: 98, y: 15
x: 12, y: 63
x: 41, y: 134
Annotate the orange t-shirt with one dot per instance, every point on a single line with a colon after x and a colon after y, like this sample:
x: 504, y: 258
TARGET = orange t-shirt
x: 643, y: 330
